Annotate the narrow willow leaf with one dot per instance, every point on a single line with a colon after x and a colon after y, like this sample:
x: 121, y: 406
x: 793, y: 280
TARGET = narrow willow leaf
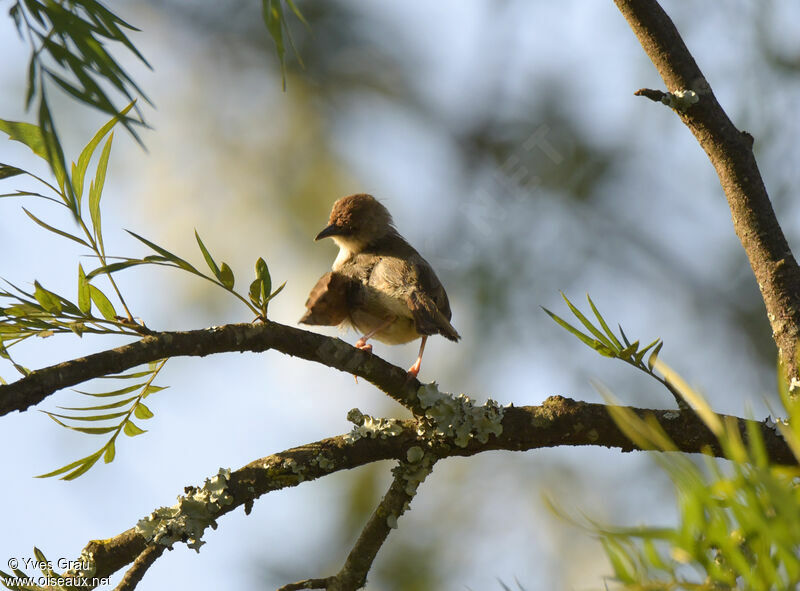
x: 167, y: 254
x: 297, y: 12
x: 55, y: 154
x: 84, y: 292
x: 79, y: 170
x: 44, y: 564
x: 226, y: 276
x: 127, y: 376
x: 96, y: 191
x: 624, y: 338
x: 651, y: 361
x: 7, y: 171
x: 142, y: 412
x: 640, y: 355
x: 131, y: 430
x: 602, y: 322
x: 85, y: 467
x: 102, y: 417
x: 589, y: 326
x: 621, y: 561
x: 567, y: 326
x: 27, y: 133
x: 151, y: 389
x: 119, y: 392
x: 103, y: 303
x: 110, y: 452
x: 272, y: 12
x: 693, y: 398
x: 50, y: 228
x: 207, y: 256
x: 87, y: 430
x: 48, y: 300
x: 277, y: 291
x: 117, y: 404
x: 119, y: 266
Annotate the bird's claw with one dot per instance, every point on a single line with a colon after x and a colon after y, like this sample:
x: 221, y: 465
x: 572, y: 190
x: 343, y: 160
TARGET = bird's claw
x: 364, y: 346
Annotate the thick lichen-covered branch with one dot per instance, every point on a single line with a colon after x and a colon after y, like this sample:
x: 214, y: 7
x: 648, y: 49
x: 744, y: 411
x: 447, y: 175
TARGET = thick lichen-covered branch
x: 445, y: 431
x: 731, y: 153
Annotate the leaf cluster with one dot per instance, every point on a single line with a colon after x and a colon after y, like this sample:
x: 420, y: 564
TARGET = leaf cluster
x: 131, y: 406
x: 739, y: 524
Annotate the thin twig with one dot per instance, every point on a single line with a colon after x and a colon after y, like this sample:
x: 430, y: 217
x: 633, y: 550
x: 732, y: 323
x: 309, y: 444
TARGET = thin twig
x: 139, y: 567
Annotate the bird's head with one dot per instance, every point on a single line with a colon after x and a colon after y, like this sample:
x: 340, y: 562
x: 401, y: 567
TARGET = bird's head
x: 356, y: 221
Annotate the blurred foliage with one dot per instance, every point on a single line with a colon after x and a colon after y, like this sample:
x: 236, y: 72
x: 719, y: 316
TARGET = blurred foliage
x: 739, y: 524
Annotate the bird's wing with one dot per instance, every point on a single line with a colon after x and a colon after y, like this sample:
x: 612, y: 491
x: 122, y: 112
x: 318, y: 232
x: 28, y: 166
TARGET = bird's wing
x: 327, y: 303
x: 413, y: 280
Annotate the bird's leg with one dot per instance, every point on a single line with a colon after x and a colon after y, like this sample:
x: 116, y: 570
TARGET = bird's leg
x: 362, y: 342
x: 413, y: 371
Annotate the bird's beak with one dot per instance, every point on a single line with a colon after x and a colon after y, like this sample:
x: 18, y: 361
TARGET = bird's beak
x: 332, y: 230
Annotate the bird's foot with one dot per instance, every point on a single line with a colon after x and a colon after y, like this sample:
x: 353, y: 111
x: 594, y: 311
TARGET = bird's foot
x: 413, y: 371
x: 363, y: 345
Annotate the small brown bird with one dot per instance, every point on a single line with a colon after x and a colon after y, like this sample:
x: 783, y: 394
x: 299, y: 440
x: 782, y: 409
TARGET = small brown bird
x: 379, y: 284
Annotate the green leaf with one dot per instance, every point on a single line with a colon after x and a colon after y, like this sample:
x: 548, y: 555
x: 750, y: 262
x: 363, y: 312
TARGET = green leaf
x: 96, y: 191
x: 87, y: 430
x: 131, y: 430
x: 151, y: 389
x: 594, y: 344
x: 56, y: 230
x: 651, y: 361
x: 119, y: 392
x: 102, y: 417
x: 79, y: 169
x: 272, y: 12
x: 207, y: 256
x: 110, y: 452
x: 262, y: 272
x: 255, y: 292
x: 103, y: 303
x: 297, y: 13
x: 7, y: 171
x: 84, y: 292
x: 80, y: 467
x: 55, y: 155
x: 48, y: 300
x: 119, y: 266
x: 602, y: 322
x: 589, y: 326
x: 27, y: 133
x: 277, y: 291
x: 226, y: 276
x: 629, y: 350
x: 142, y: 412
x: 117, y: 404
x: 127, y: 376
x: 640, y: 355
x: 621, y: 562
x: 167, y: 254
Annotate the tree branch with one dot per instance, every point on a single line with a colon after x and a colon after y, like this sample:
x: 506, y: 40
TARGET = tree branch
x: 730, y: 151
x: 353, y: 574
x: 557, y: 422
x: 144, y: 561
x: 328, y: 351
